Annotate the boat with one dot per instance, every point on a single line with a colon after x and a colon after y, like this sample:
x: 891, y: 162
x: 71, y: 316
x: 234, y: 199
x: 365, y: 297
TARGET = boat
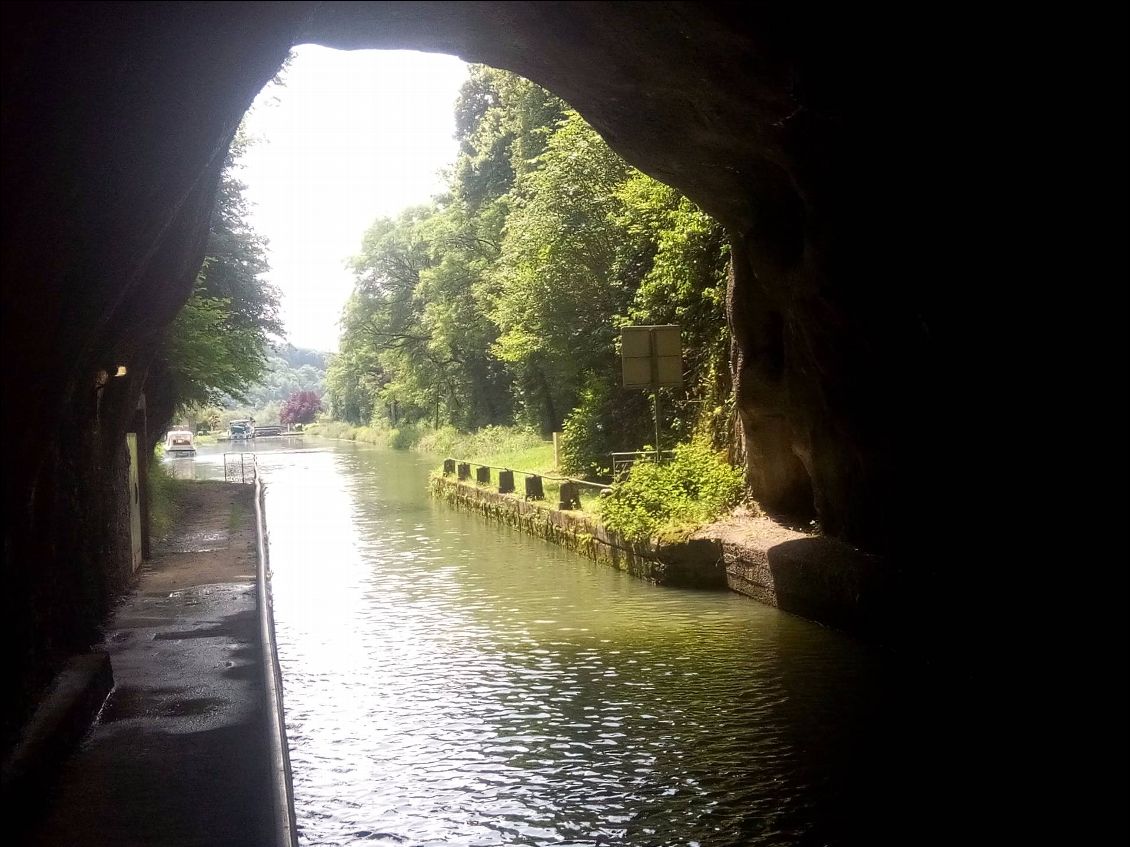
x: 178, y: 442
x: 241, y: 430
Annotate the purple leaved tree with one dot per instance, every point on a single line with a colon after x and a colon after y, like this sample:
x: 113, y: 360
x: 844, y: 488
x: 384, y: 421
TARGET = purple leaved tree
x: 301, y: 407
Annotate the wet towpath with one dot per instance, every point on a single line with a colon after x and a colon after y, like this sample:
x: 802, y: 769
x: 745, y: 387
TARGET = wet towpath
x: 178, y: 755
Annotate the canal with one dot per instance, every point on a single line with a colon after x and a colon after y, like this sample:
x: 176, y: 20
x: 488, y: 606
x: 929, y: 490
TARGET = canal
x: 450, y: 681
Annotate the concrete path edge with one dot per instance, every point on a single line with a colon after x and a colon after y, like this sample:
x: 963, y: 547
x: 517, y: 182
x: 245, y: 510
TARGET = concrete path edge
x: 282, y: 794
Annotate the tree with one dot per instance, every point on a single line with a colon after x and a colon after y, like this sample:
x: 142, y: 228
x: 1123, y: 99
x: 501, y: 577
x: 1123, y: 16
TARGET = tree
x: 300, y: 408
x: 502, y: 300
x: 567, y: 271
x: 217, y: 346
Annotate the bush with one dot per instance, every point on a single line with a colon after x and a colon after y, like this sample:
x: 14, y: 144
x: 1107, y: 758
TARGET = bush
x: 403, y: 437
x: 585, y: 443
x: 606, y: 419
x: 439, y: 442
x: 694, y: 488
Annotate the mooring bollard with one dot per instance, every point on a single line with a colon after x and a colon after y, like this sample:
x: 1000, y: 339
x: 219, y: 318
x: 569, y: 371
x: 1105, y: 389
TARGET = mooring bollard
x: 482, y: 474
x: 534, y: 490
x: 448, y: 467
x: 506, y: 482
x: 464, y: 470
x: 570, y: 497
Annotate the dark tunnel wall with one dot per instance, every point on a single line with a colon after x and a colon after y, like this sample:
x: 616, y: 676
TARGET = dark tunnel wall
x: 811, y: 134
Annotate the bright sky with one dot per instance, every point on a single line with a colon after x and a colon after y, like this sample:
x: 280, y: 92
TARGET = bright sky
x: 352, y: 136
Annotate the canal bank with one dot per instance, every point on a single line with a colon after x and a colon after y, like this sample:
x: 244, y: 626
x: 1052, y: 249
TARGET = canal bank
x: 816, y: 577
x: 181, y: 752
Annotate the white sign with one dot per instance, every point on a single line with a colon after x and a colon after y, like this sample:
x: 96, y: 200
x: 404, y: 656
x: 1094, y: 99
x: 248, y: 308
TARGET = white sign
x: 651, y: 356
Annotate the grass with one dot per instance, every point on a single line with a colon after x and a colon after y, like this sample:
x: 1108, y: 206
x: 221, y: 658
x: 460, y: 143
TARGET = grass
x: 162, y: 499
x: 538, y: 459
x: 508, y: 447
x: 348, y: 432
x: 512, y: 447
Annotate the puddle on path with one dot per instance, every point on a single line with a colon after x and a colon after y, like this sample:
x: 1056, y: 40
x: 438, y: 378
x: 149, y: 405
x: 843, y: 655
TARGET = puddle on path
x: 200, y: 542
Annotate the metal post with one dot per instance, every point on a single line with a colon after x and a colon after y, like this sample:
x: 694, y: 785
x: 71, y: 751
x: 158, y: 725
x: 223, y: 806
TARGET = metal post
x: 654, y: 351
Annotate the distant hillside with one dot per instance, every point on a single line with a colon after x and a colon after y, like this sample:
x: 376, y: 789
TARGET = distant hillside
x: 296, y: 357
x: 289, y: 369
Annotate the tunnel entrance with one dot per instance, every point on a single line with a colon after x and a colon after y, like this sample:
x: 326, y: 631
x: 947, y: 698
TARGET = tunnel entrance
x: 117, y: 119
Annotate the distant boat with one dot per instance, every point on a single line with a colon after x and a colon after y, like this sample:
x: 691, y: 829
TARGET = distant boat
x: 178, y: 442
x: 267, y: 431
x: 239, y: 430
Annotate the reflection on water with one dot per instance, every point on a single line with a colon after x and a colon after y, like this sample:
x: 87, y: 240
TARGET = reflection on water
x: 181, y: 467
x: 208, y: 463
x: 450, y: 681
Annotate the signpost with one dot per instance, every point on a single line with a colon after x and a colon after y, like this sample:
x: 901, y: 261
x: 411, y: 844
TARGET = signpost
x: 652, y: 357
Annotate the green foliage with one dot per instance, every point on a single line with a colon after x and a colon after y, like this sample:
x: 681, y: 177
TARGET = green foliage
x: 684, y: 282
x: 606, y: 419
x: 694, y: 488
x: 289, y: 369
x: 501, y: 302
x: 162, y: 499
x: 413, y: 339
x: 346, y: 432
x: 354, y: 376
x: 558, y: 286
x: 202, y: 418
x: 502, y: 122
x: 216, y: 347
x: 402, y: 438
x: 211, y: 357
x: 505, y: 446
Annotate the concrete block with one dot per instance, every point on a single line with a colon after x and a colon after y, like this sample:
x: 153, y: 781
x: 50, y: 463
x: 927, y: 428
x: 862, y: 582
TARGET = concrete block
x: 506, y: 482
x: 534, y: 488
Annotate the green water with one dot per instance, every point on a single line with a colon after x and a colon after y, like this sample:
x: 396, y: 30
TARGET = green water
x: 452, y: 681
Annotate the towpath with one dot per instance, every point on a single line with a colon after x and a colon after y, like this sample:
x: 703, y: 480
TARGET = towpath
x: 178, y: 755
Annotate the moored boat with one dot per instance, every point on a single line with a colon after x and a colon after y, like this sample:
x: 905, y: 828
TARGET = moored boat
x: 178, y: 442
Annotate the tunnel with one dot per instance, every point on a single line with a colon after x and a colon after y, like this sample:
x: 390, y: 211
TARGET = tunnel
x: 809, y: 132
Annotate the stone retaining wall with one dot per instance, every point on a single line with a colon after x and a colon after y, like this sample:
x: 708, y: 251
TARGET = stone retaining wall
x: 812, y: 576
x: 693, y: 564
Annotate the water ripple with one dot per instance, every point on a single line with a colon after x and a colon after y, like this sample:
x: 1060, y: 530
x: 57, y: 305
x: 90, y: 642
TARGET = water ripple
x: 452, y: 682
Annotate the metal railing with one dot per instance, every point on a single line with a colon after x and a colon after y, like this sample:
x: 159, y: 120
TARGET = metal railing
x: 569, y: 497
x: 624, y: 461
x: 240, y: 467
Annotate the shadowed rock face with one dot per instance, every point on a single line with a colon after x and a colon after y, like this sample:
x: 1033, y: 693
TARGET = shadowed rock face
x: 116, y: 121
